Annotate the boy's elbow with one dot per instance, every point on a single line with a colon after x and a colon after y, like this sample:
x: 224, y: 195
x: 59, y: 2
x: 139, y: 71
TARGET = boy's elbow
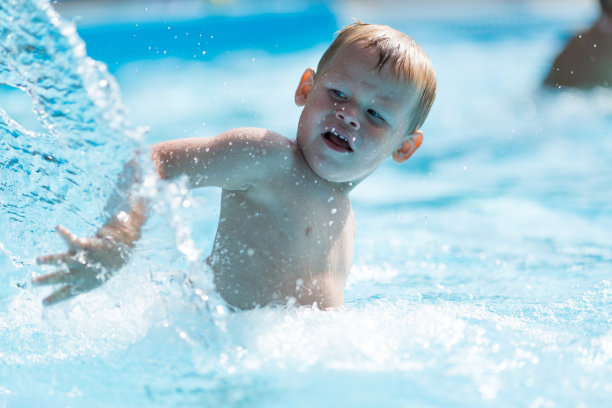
x: 158, y: 161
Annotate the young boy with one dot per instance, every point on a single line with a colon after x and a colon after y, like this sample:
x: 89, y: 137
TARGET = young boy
x: 286, y: 226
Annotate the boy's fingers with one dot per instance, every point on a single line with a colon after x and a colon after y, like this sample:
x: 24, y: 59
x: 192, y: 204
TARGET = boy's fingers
x: 63, y: 231
x: 71, y: 239
x: 52, y: 278
x: 57, y: 296
x: 54, y: 259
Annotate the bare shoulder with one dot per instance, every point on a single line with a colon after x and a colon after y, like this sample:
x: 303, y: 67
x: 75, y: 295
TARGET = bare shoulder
x: 263, y: 146
x: 229, y: 160
x: 256, y: 137
x: 260, y: 137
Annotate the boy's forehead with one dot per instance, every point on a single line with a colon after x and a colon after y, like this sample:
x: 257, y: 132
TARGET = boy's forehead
x: 356, y: 52
x: 365, y: 60
x: 358, y: 64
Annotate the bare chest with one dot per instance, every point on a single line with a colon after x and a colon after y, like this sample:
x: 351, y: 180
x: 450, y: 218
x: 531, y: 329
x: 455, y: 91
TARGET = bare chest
x: 303, y: 229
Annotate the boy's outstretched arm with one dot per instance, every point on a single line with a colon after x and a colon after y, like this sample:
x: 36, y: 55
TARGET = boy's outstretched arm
x: 232, y: 160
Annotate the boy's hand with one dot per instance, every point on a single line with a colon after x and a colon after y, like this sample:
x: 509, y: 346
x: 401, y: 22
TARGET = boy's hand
x: 90, y: 261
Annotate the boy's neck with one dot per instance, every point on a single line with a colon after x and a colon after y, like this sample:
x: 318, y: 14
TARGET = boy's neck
x: 342, y: 188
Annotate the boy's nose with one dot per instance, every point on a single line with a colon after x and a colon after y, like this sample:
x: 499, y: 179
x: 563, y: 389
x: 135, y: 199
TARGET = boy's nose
x: 349, y: 119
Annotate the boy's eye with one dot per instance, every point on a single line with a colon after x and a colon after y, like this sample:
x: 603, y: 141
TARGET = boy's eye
x: 338, y: 94
x: 375, y: 115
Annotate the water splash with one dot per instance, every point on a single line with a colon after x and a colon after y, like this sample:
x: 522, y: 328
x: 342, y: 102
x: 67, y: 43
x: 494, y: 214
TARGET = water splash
x: 78, y: 103
x: 47, y: 178
x: 43, y: 56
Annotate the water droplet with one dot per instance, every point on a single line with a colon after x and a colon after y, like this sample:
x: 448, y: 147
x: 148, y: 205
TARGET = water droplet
x: 333, y: 210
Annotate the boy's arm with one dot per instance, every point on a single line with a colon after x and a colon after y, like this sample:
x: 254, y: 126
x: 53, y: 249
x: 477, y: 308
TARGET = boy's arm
x: 233, y: 160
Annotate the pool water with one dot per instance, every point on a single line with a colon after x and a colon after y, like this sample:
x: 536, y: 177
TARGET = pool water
x: 482, y: 266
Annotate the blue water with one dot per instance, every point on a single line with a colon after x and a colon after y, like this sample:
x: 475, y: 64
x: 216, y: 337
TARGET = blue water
x: 482, y: 267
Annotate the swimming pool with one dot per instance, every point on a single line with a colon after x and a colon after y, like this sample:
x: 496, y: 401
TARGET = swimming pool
x: 482, y: 267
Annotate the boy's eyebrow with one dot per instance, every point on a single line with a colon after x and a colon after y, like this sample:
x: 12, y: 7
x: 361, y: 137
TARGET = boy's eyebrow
x: 387, y: 103
x: 384, y: 100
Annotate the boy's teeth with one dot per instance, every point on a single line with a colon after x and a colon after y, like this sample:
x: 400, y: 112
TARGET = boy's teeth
x: 339, y: 139
x: 333, y: 131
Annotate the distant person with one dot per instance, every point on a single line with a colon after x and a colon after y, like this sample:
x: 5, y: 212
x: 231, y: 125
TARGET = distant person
x: 586, y: 61
x: 286, y: 227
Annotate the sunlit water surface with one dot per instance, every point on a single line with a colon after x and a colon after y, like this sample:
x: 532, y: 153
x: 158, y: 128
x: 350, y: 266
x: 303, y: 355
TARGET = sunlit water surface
x: 482, y: 267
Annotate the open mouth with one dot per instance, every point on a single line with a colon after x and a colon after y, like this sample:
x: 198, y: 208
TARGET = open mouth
x: 337, y: 140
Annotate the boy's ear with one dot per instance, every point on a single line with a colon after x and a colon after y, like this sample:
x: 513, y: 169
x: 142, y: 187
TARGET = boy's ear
x: 305, y: 86
x: 408, y: 147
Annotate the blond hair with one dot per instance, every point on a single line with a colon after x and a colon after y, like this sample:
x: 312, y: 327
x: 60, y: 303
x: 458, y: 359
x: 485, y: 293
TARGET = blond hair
x: 407, y: 61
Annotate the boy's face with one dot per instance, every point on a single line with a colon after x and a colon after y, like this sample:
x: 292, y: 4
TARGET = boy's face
x: 354, y: 117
